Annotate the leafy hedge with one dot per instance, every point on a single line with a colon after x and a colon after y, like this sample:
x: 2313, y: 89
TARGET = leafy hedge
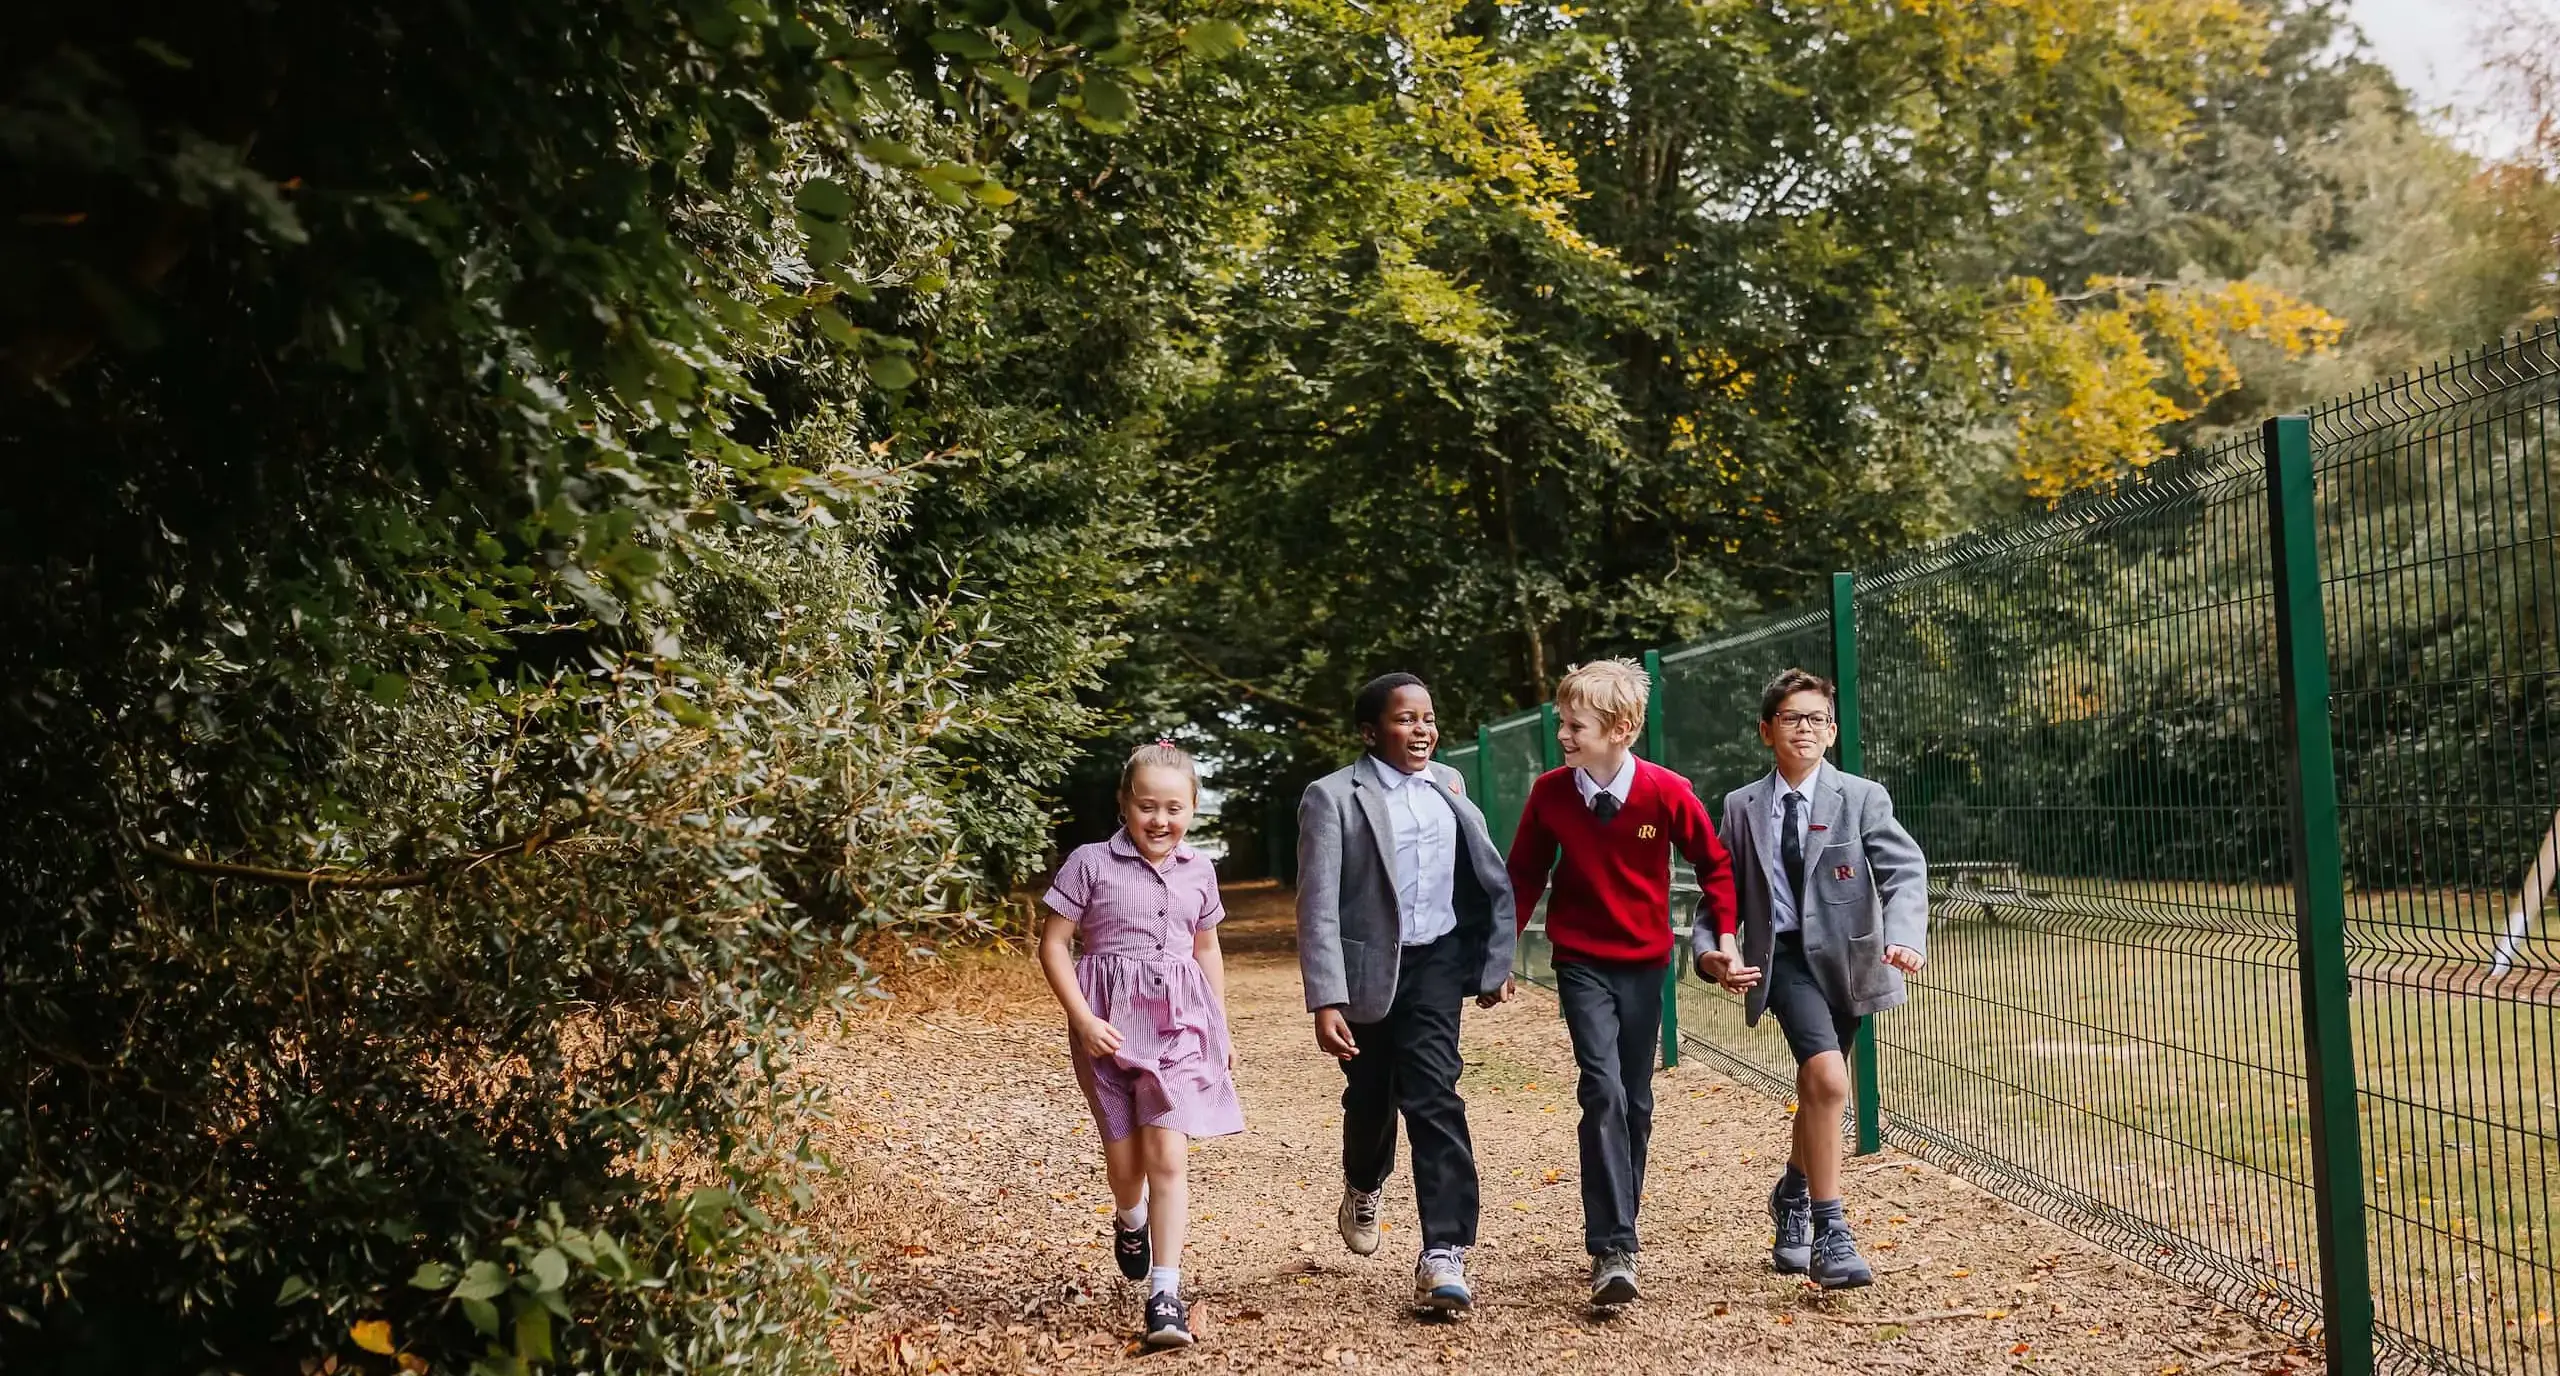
x: 469, y: 676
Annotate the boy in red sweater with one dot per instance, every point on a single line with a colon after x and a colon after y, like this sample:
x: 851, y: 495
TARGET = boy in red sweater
x: 1616, y: 820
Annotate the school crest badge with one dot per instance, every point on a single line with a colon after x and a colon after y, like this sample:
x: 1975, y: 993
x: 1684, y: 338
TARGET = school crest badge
x: 1646, y: 832
x: 1843, y: 873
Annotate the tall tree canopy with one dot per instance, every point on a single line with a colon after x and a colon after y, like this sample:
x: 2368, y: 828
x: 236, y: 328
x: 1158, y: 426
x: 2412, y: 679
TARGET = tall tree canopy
x: 1735, y: 325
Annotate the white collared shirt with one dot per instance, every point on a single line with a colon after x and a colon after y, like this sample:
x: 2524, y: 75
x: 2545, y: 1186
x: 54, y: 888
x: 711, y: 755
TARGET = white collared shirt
x: 1426, y: 848
x: 1782, y: 900
x: 1617, y: 786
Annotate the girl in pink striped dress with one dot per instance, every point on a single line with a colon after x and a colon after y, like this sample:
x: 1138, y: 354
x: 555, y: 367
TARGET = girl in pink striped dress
x: 1146, y: 1015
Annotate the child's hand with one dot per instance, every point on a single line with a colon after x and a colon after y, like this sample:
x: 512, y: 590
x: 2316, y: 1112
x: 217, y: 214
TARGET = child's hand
x: 1490, y: 997
x: 1728, y: 969
x: 1905, y: 959
x: 1712, y: 965
x: 1099, y: 1039
x: 1736, y: 977
x: 1333, y: 1034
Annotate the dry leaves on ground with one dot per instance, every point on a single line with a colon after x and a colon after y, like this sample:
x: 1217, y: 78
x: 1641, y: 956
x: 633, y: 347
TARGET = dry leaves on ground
x: 971, y: 1188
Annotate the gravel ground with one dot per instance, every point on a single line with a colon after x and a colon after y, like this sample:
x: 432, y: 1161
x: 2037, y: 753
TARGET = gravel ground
x: 970, y: 1186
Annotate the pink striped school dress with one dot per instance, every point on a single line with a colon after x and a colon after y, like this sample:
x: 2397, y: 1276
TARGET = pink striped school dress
x: 1134, y: 925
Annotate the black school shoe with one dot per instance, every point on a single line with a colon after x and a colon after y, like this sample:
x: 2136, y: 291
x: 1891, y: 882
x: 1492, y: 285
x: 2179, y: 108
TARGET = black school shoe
x: 1791, y: 1229
x: 1836, y: 1263
x: 1130, y: 1246
x: 1168, y: 1322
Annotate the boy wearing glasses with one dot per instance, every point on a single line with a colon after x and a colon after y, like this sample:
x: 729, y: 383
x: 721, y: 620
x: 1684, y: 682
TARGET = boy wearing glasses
x: 1615, y: 820
x: 1833, y: 897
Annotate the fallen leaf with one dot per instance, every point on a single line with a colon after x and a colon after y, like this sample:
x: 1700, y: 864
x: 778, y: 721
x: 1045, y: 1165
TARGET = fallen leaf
x: 1960, y: 1273
x: 2018, y: 1350
x: 373, y: 1335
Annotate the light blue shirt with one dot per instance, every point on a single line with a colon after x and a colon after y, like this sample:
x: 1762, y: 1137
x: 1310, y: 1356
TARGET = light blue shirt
x: 1782, y: 900
x: 1426, y: 844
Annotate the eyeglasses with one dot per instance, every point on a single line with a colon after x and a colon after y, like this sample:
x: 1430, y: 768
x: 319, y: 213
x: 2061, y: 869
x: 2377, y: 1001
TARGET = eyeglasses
x: 1816, y: 720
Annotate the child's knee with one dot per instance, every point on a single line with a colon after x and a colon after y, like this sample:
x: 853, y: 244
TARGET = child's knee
x: 1601, y: 1094
x: 1168, y: 1155
x: 1824, y: 1079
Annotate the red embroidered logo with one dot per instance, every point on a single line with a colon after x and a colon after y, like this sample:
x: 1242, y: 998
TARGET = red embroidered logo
x: 1843, y: 872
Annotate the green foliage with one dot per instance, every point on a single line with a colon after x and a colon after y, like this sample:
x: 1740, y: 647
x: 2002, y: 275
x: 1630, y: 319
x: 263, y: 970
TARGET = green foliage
x: 2304, y: 176
x: 1718, y: 332
x: 476, y: 667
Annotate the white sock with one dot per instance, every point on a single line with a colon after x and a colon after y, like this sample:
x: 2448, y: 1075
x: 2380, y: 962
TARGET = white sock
x: 1164, y: 1280
x: 1134, y: 1217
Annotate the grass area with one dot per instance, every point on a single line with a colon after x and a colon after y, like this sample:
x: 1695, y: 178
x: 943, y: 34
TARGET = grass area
x: 2131, y: 1056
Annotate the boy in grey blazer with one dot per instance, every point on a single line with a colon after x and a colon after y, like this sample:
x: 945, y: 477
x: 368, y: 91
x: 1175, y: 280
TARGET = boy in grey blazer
x: 1832, y: 897
x: 1403, y: 913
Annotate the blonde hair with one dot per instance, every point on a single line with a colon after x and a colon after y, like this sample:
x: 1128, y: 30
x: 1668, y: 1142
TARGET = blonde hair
x: 1615, y: 689
x: 1161, y: 754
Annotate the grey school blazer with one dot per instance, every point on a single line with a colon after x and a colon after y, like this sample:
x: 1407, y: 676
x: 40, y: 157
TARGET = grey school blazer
x: 1866, y: 887
x: 1348, y: 928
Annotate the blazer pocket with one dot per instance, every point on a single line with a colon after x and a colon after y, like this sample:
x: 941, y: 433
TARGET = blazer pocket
x: 1844, y: 888
x: 1840, y: 874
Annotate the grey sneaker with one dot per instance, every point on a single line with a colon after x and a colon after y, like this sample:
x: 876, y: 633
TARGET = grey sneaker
x: 1358, y: 1219
x: 1168, y: 1321
x: 1791, y: 1223
x: 1613, y: 1280
x: 1440, y: 1281
x: 1836, y: 1263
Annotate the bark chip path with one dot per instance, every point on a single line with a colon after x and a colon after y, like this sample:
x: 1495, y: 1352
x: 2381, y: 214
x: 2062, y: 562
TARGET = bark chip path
x: 971, y: 1190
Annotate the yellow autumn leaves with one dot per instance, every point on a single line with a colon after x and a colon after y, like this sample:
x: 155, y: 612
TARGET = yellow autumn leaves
x: 2098, y: 375
x: 374, y: 1335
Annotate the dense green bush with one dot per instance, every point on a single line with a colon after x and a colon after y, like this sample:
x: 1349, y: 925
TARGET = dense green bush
x: 471, y: 668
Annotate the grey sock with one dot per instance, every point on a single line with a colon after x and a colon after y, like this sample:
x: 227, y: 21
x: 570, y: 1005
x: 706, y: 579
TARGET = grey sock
x: 1792, y: 1184
x: 1827, y: 1215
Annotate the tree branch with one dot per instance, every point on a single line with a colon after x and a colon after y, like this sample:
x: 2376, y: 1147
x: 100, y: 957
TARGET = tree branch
x: 359, y: 880
x: 1300, y: 709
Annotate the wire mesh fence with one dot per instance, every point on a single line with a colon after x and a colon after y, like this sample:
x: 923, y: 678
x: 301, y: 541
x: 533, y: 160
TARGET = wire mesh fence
x: 2436, y: 529
x: 2078, y: 719
x: 2084, y: 720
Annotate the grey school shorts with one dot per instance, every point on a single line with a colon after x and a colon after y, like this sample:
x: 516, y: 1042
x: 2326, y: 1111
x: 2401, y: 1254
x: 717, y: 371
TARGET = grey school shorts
x: 1812, y: 1025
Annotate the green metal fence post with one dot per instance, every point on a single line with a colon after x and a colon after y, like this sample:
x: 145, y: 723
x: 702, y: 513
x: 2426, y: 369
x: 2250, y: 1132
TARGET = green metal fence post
x: 2320, y: 902
x: 1853, y: 759
x: 1550, y: 751
x: 1670, y: 973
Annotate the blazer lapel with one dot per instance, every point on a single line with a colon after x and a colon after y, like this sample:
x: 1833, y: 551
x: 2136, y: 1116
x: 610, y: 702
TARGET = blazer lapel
x: 1373, y: 805
x: 1459, y: 807
x: 1828, y: 800
x: 1764, y: 833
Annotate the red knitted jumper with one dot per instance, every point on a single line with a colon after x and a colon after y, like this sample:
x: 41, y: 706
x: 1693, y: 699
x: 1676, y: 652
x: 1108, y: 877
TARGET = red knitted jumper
x: 1613, y: 889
